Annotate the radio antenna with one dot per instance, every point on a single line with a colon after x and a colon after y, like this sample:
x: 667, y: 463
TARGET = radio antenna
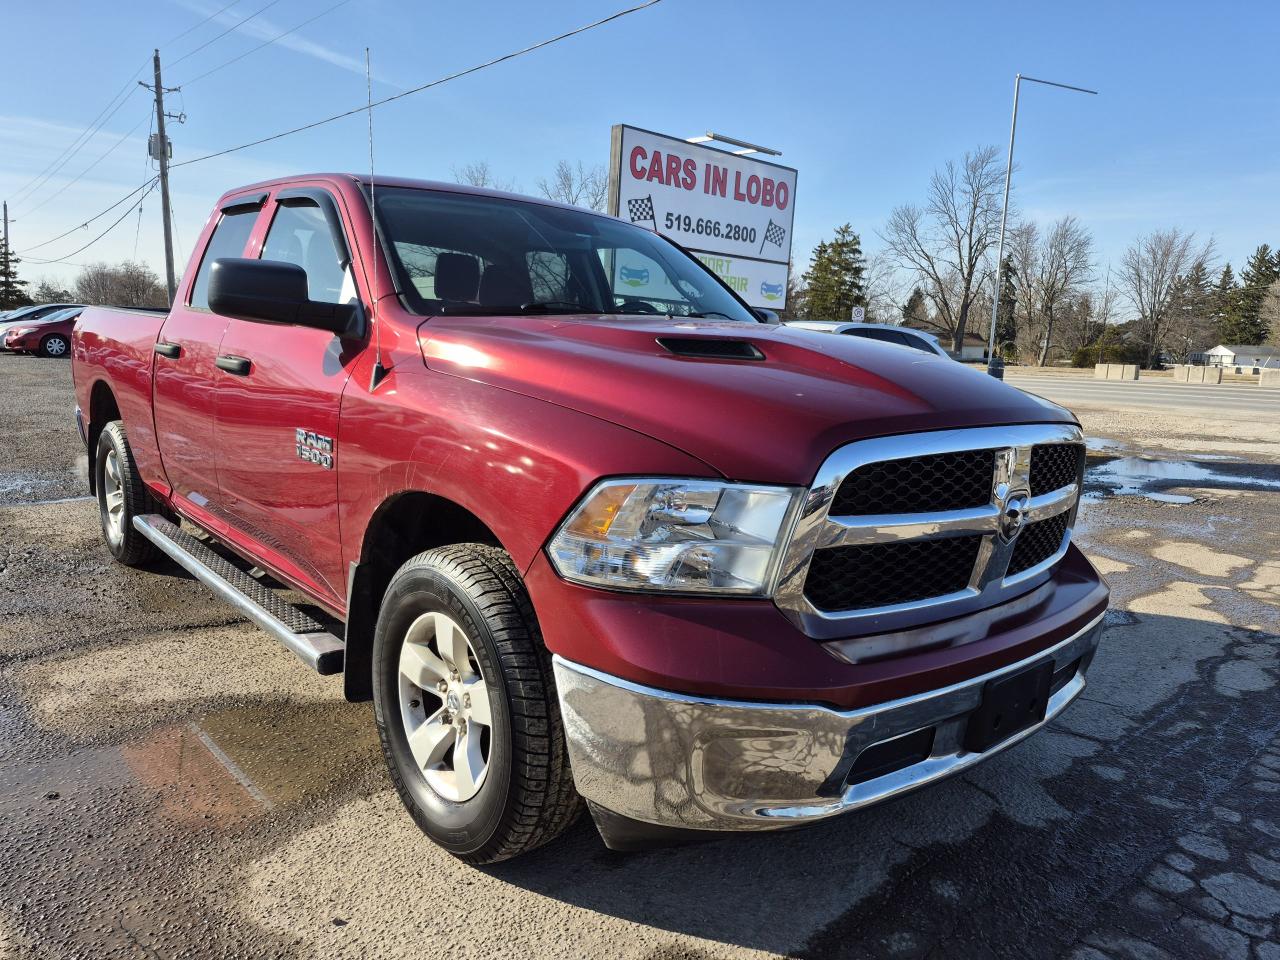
x: 379, y: 371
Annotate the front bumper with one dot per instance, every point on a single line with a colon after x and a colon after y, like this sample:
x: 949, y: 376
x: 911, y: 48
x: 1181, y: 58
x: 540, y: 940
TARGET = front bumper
x: 689, y: 762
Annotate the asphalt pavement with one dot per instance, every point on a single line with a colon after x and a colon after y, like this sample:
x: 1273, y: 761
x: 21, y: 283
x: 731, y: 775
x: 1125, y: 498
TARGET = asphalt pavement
x: 174, y: 784
x: 1240, y: 399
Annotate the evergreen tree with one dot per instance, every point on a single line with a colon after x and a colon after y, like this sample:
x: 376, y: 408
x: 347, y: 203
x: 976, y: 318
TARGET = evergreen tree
x: 1190, y: 323
x: 915, y: 312
x: 13, y: 292
x: 1226, y: 305
x: 1262, y: 270
x: 834, y: 279
x: 1006, y: 319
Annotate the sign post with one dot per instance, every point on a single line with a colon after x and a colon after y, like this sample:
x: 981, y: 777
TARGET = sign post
x: 734, y: 212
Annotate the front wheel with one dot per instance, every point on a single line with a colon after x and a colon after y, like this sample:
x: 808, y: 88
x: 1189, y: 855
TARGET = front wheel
x: 466, y: 708
x: 54, y: 345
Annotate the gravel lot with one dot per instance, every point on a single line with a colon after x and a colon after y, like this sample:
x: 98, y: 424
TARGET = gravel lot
x: 174, y: 784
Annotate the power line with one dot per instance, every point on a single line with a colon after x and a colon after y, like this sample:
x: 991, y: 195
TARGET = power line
x: 235, y: 26
x: 189, y: 30
x: 425, y: 86
x: 133, y: 193
x: 265, y: 43
x: 80, y: 141
x: 103, y: 156
x: 114, y: 224
x: 24, y: 192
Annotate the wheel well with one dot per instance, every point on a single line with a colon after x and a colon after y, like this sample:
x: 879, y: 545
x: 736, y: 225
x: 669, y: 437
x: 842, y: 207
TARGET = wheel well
x: 102, y: 410
x: 402, y: 527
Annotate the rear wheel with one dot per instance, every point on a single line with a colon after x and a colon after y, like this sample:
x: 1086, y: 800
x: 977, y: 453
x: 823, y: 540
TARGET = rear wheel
x: 122, y: 496
x: 54, y: 345
x: 466, y: 708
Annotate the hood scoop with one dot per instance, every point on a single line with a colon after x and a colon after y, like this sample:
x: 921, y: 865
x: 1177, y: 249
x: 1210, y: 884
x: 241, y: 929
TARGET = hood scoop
x: 708, y: 348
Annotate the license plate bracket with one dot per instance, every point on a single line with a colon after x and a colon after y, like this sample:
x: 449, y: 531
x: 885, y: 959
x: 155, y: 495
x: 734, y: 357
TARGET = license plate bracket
x: 1009, y: 705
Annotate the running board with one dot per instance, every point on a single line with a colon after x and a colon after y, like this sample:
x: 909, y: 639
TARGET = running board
x: 315, y: 646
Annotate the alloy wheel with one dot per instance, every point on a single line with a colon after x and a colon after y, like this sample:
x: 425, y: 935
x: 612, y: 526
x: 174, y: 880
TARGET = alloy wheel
x: 113, y: 497
x: 444, y: 705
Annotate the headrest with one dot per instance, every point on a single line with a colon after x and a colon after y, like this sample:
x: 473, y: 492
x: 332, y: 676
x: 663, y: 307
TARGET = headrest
x: 457, y: 276
x: 502, y: 287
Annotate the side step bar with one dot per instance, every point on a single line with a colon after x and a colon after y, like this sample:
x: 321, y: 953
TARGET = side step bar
x: 315, y: 646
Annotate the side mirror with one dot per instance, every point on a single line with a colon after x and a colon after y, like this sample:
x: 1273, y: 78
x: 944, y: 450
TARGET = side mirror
x: 274, y: 292
x: 766, y: 316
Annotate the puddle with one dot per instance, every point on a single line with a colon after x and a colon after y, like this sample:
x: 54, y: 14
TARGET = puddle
x: 51, y: 503
x: 234, y: 764
x: 1101, y: 444
x: 13, y: 484
x: 1152, y: 479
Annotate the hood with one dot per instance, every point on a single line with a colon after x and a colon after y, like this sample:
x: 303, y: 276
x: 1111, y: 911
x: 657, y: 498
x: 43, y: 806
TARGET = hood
x: 773, y: 419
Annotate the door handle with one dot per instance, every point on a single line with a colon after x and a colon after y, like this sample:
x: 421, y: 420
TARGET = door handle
x: 237, y: 365
x: 171, y: 350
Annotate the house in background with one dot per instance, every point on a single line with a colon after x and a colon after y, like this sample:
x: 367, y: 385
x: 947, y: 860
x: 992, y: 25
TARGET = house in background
x: 974, y: 347
x: 1248, y: 357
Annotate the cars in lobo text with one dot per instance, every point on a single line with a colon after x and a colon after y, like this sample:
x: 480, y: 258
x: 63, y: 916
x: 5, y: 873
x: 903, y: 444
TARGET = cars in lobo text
x: 582, y: 547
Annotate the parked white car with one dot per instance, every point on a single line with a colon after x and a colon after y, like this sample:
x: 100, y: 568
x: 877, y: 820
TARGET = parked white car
x: 901, y: 336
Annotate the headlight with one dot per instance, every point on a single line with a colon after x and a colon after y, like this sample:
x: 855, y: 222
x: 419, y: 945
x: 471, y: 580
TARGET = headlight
x: 679, y: 536
x: 21, y: 331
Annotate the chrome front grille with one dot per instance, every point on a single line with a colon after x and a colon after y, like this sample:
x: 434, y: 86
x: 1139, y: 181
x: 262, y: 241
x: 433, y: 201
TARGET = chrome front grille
x: 901, y: 531
x: 885, y: 574
x: 948, y: 481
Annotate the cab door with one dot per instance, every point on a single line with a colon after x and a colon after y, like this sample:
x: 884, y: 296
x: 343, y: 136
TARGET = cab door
x: 279, y: 390
x: 185, y: 375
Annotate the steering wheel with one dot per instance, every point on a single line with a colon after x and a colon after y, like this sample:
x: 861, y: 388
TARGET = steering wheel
x: 636, y: 306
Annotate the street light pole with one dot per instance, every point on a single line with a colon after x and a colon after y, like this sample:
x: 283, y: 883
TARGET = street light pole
x: 1004, y: 213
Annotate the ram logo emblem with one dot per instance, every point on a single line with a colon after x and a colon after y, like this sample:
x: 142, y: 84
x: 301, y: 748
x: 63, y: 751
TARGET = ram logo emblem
x: 314, y: 447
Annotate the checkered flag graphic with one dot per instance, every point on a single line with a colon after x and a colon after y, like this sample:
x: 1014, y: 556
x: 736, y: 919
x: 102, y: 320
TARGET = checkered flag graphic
x: 773, y: 234
x: 641, y: 209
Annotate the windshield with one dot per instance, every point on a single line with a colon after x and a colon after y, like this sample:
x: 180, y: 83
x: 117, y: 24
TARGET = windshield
x: 461, y: 254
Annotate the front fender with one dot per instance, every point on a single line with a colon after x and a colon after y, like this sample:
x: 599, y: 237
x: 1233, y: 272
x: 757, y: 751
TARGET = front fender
x: 515, y: 462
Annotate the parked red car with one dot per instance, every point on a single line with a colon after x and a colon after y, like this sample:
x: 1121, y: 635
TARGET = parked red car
x: 49, y: 336
x: 657, y: 555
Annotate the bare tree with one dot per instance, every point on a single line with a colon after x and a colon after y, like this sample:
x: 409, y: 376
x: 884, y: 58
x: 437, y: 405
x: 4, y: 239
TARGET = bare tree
x: 478, y: 174
x: 48, y: 290
x: 577, y: 185
x: 945, y: 243
x: 1066, y: 261
x: 1270, y: 313
x: 1149, y: 270
x: 1050, y: 272
x: 126, y: 284
x: 1022, y: 252
x: 883, y: 289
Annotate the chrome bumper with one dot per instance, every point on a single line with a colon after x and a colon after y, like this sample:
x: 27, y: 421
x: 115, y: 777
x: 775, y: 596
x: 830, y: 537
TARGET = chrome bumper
x: 699, y: 763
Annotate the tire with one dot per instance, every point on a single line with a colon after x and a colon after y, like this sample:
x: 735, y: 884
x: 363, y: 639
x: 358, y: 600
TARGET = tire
x: 520, y: 793
x: 122, y: 496
x: 55, y: 345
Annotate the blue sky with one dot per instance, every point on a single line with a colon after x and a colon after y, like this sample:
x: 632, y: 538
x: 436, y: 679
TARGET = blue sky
x: 864, y: 99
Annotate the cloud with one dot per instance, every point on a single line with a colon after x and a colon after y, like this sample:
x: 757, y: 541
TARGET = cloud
x: 263, y: 29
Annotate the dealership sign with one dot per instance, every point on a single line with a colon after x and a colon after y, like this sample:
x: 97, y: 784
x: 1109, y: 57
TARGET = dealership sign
x: 733, y: 212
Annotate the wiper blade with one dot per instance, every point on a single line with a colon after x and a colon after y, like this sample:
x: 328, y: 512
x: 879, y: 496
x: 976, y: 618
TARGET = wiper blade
x: 708, y: 314
x: 554, y: 306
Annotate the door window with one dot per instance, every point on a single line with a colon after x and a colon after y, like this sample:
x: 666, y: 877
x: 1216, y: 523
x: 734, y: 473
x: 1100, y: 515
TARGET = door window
x: 228, y: 240
x: 300, y: 235
x: 916, y: 343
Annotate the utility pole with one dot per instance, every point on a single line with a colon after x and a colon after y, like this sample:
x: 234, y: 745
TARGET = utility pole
x: 160, y: 151
x: 7, y: 252
x: 1004, y: 213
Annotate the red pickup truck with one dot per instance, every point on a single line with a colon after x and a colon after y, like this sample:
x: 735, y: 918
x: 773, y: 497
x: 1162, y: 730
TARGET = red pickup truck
x: 580, y: 523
